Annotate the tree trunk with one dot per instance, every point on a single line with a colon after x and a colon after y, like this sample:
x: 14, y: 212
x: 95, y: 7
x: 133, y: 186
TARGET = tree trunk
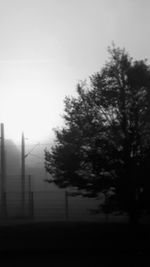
x: 133, y: 218
x: 133, y: 212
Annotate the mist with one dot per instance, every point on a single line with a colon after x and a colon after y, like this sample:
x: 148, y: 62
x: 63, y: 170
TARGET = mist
x: 74, y: 131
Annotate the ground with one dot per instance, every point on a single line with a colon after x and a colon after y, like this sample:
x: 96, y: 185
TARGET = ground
x: 72, y: 244
x: 90, y: 244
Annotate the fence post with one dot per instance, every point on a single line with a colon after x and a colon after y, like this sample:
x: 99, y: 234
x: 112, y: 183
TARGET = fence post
x: 31, y: 200
x: 3, y: 205
x: 66, y: 206
x: 32, y: 206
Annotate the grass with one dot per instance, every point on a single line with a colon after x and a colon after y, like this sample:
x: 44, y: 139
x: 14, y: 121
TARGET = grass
x: 75, y: 242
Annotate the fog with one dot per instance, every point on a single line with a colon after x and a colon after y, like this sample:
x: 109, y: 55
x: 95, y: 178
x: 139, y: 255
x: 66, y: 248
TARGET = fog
x: 46, y: 47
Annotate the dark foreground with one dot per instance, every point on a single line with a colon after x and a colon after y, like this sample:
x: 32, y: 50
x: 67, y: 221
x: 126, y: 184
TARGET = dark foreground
x: 75, y: 244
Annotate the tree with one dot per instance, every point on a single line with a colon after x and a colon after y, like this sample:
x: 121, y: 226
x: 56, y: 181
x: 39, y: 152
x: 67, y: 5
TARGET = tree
x: 105, y: 142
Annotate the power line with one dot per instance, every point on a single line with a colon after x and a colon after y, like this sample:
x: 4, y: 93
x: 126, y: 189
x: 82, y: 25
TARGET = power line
x: 31, y: 150
x: 43, y: 144
x: 36, y: 156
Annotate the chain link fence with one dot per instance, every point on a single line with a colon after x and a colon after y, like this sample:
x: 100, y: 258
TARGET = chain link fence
x: 51, y: 206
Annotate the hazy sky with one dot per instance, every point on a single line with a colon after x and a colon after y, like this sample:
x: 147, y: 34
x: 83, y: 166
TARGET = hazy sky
x: 47, y: 46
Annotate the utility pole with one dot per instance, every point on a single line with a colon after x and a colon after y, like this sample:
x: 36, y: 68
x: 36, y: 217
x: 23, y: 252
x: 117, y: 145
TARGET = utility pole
x: 23, y: 173
x: 3, y: 174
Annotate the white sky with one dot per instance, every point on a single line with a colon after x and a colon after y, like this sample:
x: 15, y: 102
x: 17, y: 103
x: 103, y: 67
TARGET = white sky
x: 47, y: 46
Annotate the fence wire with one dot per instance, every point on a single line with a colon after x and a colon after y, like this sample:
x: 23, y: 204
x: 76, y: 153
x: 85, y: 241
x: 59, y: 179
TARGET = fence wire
x: 51, y: 206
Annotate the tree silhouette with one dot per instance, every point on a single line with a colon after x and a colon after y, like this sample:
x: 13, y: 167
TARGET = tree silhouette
x: 105, y: 144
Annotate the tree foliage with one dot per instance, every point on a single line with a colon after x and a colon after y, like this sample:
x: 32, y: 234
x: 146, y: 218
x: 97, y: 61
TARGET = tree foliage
x: 105, y: 143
